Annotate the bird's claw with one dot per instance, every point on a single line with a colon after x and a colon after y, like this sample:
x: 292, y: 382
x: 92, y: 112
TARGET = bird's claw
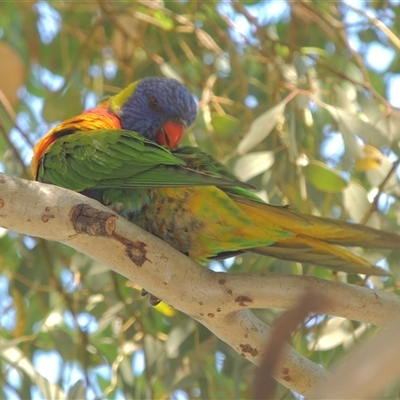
x: 153, y: 300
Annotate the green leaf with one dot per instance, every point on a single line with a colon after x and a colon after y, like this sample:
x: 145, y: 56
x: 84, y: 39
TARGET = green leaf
x: 54, y: 107
x: 346, y: 93
x: 314, y: 50
x: 253, y: 164
x: 324, y: 178
x: 170, y: 72
x: 64, y: 343
x: 390, y: 126
x: 261, y: 127
x: 225, y: 125
x: 351, y: 124
x: 14, y: 356
x: 356, y: 203
x: 377, y: 175
x: 355, y: 200
x: 178, y: 335
x: 368, y: 35
x: 12, y: 72
x: 77, y: 391
x: 166, y: 22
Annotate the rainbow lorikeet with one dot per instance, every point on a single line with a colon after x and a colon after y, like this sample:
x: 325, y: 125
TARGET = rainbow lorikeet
x: 116, y: 154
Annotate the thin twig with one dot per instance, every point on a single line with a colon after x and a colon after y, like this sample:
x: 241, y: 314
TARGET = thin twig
x: 378, y: 24
x: 374, y: 205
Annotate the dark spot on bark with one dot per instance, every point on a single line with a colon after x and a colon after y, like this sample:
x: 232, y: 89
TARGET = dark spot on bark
x: 47, y: 217
x: 135, y: 250
x: 2, y: 180
x: 229, y: 292
x: 246, y: 335
x: 200, y: 303
x: 285, y: 371
x: 376, y: 296
x: 201, y: 314
x: 248, y: 349
x: 287, y: 378
x: 1, y: 203
x: 243, y: 300
x: 211, y: 315
x: 48, y: 208
x: 86, y: 219
x: 222, y: 281
x: 218, y: 309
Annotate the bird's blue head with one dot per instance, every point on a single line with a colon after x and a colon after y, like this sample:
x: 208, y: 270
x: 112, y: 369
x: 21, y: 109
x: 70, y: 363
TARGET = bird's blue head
x: 159, y: 109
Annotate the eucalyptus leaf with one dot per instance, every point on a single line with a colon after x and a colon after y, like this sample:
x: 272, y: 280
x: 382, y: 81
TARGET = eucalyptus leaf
x: 370, y: 108
x: 253, y: 164
x: 346, y: 94
x: 356, y: 195
x: 324, y: 178
x: 177, y: 336
x: 77, y: 391
x: 378, y: 175
x: 54, y: 108
x: 390, y: 125
x: 351, y: 124
x: 261, y: 127
x: 14, y: 356
x: 166, y: 22
x: 12, y: 72
x: 170, y: 72
x: 355, y: 201
x: 225, y: 125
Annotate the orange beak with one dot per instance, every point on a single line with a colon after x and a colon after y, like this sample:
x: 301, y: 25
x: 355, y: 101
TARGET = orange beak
x: 170, y: 134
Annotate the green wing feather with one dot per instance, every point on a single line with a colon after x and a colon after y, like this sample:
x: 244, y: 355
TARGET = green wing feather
x: 198, y: 160
x: 104, y: 158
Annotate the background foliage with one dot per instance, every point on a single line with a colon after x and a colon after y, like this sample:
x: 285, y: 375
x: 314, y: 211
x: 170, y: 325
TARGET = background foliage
x: 322, y: 79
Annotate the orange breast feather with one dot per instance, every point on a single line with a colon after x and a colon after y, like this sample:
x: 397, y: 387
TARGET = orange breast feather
x: 96, y: 118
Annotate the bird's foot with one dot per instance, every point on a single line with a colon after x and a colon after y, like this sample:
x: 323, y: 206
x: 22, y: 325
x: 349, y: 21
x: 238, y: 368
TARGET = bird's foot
x: 153, y: 300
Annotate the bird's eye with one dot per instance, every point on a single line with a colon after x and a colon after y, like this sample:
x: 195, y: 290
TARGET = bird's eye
x: 152, y: 102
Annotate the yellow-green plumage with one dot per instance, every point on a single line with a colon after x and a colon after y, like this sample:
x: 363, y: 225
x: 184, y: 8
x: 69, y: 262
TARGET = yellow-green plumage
x: 203, y: 222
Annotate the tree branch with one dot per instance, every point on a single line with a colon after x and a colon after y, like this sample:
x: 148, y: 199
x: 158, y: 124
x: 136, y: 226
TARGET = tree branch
x: 219, y: 301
